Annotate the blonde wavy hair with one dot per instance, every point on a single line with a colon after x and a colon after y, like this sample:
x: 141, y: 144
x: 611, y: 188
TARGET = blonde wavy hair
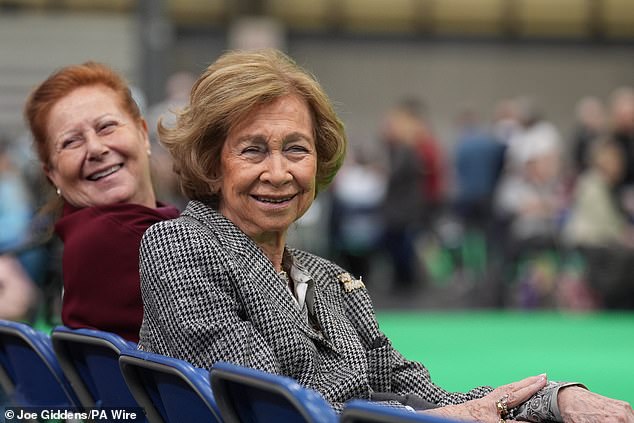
x: 223, y: 96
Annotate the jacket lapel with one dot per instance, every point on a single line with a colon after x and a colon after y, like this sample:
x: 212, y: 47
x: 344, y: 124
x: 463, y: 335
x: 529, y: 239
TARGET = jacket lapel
x: 255, y: 268
x: 329, y: 323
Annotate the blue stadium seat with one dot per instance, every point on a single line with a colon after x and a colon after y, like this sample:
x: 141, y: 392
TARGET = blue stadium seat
x: 170, y: 390
x: 248, y: 395
x: 361, y: 411
x: 31, y: 375
x: 90, y: 361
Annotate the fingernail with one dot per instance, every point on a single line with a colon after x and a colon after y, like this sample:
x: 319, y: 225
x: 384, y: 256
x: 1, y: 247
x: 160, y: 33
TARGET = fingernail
x: 543, y: 377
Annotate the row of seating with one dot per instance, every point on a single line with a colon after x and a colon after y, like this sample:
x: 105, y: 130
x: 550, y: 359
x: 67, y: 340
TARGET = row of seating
x: 91, y: 369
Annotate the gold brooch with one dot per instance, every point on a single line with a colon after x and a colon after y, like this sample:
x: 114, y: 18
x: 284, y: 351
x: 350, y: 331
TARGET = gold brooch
x: 349, y: 283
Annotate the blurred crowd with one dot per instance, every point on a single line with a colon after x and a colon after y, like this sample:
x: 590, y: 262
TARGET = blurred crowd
x: 533, y: 215
x: 513, y: 212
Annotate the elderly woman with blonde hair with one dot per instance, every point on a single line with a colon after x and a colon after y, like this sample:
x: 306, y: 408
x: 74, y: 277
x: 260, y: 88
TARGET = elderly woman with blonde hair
x: 257, y: 142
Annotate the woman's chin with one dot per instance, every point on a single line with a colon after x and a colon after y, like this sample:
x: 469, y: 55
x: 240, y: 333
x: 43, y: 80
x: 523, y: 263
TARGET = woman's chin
x: 113, y: 196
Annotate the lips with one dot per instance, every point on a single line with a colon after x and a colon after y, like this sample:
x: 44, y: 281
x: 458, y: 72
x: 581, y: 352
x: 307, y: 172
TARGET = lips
x: 103, y: 173
x: 273, y: 200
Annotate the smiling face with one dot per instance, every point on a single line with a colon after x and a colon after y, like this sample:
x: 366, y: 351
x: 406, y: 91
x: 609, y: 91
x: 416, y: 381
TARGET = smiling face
x: 268, y: 168
x: 98, y: 153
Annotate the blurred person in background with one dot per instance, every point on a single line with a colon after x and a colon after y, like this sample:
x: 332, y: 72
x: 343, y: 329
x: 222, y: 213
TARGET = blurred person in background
x: 505, y: 120
x: 478, y: 161
x: 530, y: 192
x: 595, y: 217
x: 177, y: 90
x: 598, y: 227
x: 18, y: 293
x: 94, y: 149
x: 530, y: 203
x: 404, y: 202
x: 21, y: 264
x: 622, y: 130
x: 16, y: 205
x: 356, y: 221
x: 432, y: 156
x: 220, y: 282
x: 590, y: 124
x: 622, y: 126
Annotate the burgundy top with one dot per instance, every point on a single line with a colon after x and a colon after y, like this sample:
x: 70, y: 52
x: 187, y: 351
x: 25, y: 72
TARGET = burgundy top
x: 101, y: 265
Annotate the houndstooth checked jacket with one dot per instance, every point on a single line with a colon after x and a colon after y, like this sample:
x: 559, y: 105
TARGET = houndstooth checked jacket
x: 210, y: 294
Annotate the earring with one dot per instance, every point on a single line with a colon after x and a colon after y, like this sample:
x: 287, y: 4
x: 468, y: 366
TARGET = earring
x: 59, y: 192
x: 149, y: 152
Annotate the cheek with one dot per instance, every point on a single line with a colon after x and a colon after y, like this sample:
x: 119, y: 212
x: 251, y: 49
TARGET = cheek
x: 238, y: 177
x: 131, y: 148
x: 68, y: 167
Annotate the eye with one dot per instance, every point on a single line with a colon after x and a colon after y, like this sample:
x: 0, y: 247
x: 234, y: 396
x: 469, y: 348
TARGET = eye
x: 107, y: 127
x: 252, y: 150
x: 297, y: 149
x: 71, y: 142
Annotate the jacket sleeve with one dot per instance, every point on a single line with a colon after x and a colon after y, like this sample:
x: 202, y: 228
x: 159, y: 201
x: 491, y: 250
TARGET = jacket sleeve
x: 388, y: 370
x: 191, y: 311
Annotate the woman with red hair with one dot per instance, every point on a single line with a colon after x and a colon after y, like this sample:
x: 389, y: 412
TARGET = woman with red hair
x: 93, y: 145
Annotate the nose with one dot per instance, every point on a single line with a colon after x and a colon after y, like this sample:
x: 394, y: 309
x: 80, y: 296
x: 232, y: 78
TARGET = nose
x: 276, y: 172
x: 95, y: 147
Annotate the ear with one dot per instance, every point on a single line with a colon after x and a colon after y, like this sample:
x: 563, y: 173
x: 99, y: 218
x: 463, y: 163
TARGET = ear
x: 215, y: 187
x: 145, y: 133
x: 50, y: 173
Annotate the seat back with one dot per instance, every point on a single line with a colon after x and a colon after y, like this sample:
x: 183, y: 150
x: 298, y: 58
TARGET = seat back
x: 6, y: 373
x: 169, y: 389
x: 90, y: 361
x: 31, y: 375
x: 249, y: 395
x: 361, y: 411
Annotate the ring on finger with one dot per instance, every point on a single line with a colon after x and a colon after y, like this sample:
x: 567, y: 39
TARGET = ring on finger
x: 502, y: 407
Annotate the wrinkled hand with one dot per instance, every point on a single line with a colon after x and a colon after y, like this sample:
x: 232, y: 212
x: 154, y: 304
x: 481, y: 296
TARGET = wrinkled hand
x: 579, y: 405
x: 484, y: 409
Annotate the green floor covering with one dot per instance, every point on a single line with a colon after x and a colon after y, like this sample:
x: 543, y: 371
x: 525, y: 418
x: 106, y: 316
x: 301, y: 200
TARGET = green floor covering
x: 466, y: 349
